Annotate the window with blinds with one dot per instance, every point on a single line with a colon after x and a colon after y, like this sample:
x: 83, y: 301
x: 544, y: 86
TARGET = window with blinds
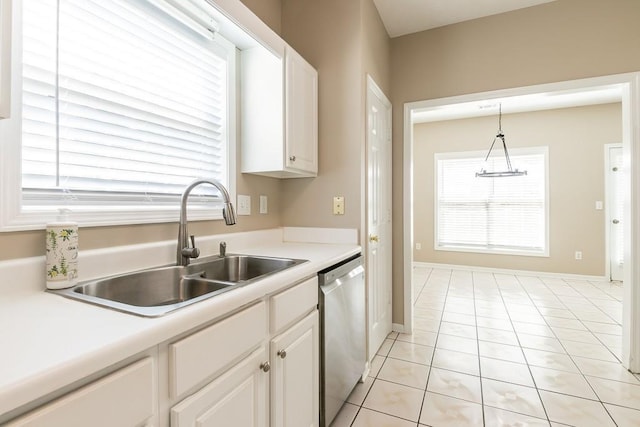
x: 496, y: 215
x: 124, y: 103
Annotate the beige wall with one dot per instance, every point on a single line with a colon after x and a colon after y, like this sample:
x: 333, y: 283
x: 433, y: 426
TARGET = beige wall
x: 343, y: 40
x: 269, y: 11
x: 557, y: 41
x: 575, y: 137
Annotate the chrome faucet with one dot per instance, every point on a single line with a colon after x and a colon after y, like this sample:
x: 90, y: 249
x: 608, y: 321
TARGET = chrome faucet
x: 186, y: 252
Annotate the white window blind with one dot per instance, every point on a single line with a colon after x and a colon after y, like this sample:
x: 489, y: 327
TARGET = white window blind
x: 500, y: 215
x: 123, y: 104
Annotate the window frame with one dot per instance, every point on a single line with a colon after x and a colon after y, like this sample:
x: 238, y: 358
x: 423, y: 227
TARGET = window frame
x: 514, y: 153
x: 14, y: 218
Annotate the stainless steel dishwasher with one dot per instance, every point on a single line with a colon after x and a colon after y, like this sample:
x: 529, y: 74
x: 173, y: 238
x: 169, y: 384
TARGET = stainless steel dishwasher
x: 342, y: 334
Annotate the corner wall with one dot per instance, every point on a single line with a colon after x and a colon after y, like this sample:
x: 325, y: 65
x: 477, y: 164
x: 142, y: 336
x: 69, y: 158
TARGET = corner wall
x: 558, y: 41
x: 344, y: 40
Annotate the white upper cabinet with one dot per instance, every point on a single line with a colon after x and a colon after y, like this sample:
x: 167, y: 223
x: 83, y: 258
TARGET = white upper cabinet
x: 279, y: 114
x: 301, y: 130
x: 5, y: 58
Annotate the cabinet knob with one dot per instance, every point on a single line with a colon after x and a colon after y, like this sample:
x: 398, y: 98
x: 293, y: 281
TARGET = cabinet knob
x: 282, y: 354
x: 615, y: 221
x: 373, y: 238
x: 265, y: 366
x: 292, y: 158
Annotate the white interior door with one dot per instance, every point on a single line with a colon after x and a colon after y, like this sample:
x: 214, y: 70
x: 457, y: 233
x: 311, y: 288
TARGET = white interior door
x: 378, y: 216
x: 615, y: 208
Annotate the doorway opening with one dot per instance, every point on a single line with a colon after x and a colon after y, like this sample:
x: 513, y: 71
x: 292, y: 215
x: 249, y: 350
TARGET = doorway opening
x: 625, y: 89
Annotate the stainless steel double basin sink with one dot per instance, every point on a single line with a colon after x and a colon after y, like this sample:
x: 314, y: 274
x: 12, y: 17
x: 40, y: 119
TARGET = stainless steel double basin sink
x: 157, y: 291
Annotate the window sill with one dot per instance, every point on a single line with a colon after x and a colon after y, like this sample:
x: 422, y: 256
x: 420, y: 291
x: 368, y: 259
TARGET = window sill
x: 489, y: 251
x: 107, y: 217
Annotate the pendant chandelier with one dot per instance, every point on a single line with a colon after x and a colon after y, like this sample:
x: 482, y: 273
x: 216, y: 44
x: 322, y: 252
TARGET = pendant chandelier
x: 498, y: 174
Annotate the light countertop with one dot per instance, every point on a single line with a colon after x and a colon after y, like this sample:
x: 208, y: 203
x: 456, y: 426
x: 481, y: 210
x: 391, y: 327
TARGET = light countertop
x: 51, y: 342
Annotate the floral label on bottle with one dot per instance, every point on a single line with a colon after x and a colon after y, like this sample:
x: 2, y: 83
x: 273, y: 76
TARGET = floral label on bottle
x: 62, y: 254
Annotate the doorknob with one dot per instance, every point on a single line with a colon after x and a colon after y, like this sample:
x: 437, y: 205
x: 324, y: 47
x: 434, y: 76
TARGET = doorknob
x: 615, y: 221
x: 373, y: 238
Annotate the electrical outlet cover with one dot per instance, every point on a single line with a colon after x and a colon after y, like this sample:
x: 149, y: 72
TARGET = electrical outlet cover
x: 244, y: 205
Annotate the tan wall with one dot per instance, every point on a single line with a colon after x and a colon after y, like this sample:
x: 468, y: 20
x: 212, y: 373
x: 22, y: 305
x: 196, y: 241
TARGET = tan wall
x: 557, y: 41
x: 269, y: 11
x: 31, y: 243
x: 376, y: 47
x: 575, y: 137
x: 327, y: 35
x: 343, y: 40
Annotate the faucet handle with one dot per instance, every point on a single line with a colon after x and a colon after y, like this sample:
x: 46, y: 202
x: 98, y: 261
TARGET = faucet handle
x: 191, y: 252
x: 223, y: 249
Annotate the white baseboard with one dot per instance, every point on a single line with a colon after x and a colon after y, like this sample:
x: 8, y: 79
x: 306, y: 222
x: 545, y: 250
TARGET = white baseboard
x: 567, y: 276
x: 398, y: 327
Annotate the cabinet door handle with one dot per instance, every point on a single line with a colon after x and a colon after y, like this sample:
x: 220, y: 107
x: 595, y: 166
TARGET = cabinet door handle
x: 265, y: 366
x: 373, y: 238
x: 615, y: 221
x: 292, y: 158
x: 282, y: 354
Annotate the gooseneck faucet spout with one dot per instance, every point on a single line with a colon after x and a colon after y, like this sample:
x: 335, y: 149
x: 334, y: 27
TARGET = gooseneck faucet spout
x: 186, y: 252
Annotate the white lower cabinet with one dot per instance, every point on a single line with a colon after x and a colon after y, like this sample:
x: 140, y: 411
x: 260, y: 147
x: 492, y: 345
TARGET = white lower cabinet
x: 239, y: 397
x: 125, y: 398
x: 273, y: 382
x: 295, y: 375
x: 258, y: 367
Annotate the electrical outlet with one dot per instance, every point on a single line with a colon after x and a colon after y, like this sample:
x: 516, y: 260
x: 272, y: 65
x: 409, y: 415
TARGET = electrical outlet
x: 338, y: 205
x: 418, y: 246
x: 578, y: 255
x: 263, y: 204
x: 244, y: 205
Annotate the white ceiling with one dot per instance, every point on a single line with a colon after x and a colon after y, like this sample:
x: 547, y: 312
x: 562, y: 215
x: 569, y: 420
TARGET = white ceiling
x: 402, y: 17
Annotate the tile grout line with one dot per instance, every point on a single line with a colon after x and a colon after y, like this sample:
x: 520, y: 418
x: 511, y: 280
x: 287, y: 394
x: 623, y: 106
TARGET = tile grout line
x: 518, y: 338
x: 564, y: 348
x: 475, y: 321
x: 433, y: 354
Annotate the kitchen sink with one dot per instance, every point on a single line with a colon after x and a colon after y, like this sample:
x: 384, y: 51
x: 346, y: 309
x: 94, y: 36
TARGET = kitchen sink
x: 241, y: 268
x: 157, y: 291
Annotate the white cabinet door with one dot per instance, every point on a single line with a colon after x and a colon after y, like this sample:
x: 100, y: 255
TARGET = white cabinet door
x: 295, y: 375
x: 125, y: 398
x: 301, y: 130
x: 5, y: 57
x: 239, y: 397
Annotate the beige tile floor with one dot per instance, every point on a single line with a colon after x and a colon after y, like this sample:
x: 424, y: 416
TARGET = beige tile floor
x: 501, y: 350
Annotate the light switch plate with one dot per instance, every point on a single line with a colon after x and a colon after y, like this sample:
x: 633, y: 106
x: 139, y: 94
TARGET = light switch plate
x: 244, y: 205
x: 263, y: 205
x: 338, y: 205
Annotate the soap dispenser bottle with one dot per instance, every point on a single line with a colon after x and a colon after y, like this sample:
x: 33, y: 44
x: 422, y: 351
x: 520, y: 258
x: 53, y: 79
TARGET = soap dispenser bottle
x: 62, y: 252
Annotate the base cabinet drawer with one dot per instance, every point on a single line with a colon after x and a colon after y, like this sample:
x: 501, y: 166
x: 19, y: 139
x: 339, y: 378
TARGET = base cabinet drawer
x: 209, y: 351
x: 239, y: 397
x: 124, y: 399
x: 292, y: 304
